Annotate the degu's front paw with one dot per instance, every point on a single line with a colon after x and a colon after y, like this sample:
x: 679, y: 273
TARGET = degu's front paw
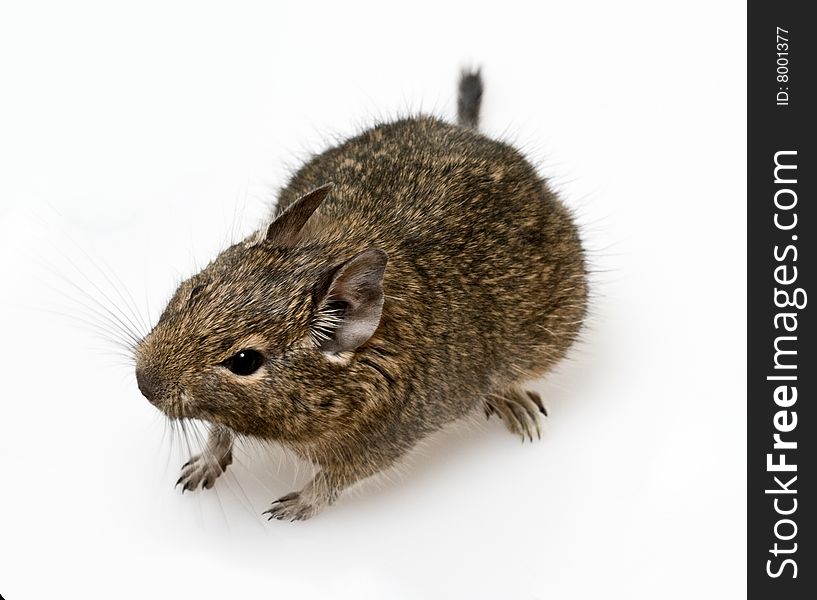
x: 203, y: 469
x: 293, y: 507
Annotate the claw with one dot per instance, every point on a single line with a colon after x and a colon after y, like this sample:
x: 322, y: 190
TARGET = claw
x: 537, y: 400
x: 179, y: 481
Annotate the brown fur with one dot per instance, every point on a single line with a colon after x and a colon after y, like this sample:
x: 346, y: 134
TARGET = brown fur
x: 484, y: 289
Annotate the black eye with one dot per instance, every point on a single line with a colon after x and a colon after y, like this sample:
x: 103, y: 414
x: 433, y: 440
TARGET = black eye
x: 245, y: 362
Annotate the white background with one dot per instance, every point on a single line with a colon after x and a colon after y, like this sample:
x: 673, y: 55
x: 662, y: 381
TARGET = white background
x: 140, y: 140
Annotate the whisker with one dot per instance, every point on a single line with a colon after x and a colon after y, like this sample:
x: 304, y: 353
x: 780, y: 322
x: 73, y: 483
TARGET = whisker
x: 112, y: 336
x: 124, y: 315
x: 134, y: 315
x: 100, y: 308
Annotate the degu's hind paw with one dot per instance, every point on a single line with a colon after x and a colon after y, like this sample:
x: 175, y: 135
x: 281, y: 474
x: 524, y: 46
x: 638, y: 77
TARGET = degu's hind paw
x: 519, y: 409
x: 203, y: 469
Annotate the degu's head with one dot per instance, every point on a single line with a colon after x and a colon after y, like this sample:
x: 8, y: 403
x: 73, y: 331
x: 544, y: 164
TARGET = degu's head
x: 254, y: 340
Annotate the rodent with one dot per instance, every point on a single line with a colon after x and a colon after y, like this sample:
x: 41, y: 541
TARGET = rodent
x: 411, y: 274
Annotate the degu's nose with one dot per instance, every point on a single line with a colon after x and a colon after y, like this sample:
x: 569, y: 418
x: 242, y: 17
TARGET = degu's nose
x: 148, y: 384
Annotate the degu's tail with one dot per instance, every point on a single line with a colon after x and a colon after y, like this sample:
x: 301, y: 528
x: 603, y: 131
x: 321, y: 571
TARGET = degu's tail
x: 469, y: 99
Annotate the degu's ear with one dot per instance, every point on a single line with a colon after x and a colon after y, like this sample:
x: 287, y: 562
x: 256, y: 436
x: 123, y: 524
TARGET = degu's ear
x: 351, y: 307
x: 286, y: 229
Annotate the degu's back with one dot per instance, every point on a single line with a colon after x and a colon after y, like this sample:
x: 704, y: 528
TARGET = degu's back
x: 474, y: 236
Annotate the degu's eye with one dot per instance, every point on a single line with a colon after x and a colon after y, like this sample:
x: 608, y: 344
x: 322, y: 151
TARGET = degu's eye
x: 245, y: 362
